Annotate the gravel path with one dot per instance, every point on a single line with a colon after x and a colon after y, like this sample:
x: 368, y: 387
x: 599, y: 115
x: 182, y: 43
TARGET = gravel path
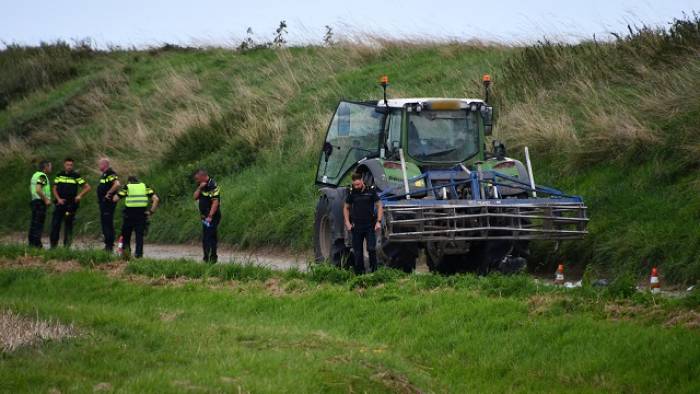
x: 274, y: 260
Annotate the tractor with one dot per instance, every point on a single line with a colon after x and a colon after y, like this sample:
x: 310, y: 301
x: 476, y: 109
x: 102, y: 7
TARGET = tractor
x: 443, y: 192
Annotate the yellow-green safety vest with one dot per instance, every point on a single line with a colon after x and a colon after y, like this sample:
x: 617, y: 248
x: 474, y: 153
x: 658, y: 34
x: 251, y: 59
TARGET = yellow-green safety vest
x: 136, y: 196
x: 36, y: 178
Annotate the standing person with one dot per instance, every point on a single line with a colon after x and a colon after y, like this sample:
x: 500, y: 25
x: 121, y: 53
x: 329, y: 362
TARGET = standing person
x: 136, y: 195
x: 209, y: 198
x: 40, y: 191
x: 109, y: 184
x: 362, y: 222
x: 67, y: 198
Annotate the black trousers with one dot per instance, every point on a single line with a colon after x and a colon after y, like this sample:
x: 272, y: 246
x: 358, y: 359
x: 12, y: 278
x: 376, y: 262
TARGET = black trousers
x: 210, y: 239
x: 63, y: 215
x: 134, y: 222
x: 36, y: 226
x: 107, y: 221
x: 359, y: 235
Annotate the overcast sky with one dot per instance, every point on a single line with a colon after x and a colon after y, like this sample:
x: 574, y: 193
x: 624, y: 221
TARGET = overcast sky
x: 219, y: 22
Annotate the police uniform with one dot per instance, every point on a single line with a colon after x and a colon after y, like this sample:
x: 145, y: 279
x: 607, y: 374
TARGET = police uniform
x: 67, y: 184
x: 136, y: 197
x: 107, y: 207
x: 208, y: 194
x: 363, y: 219
x: 36, y: 226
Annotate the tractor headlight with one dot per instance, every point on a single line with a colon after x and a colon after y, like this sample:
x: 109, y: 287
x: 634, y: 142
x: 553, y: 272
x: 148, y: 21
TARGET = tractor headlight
x: 419, y: 183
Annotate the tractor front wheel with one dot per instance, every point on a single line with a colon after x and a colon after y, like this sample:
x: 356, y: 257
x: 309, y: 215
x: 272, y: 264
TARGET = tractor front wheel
x: 398, y: 256
x: 326, y: 247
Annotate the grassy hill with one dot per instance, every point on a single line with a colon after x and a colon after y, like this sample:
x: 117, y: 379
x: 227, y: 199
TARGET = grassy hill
x: 614, y: 121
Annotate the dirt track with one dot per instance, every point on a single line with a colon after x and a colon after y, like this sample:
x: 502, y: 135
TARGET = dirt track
x: 274, y: 260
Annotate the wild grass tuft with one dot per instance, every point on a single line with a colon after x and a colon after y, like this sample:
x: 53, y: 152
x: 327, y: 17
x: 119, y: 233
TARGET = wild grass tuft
x: 86, y: 258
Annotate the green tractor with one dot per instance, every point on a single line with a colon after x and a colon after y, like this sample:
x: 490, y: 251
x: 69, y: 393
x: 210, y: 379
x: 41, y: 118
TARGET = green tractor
x: 442, y: 191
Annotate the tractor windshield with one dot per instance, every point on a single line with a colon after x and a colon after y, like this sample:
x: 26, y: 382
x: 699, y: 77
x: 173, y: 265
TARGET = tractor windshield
x: 352, y: 135
x: 443, y: 136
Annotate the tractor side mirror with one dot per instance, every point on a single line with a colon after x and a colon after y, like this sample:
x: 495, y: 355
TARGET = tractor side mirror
x: 487, y: 116
x: 327, y: 150
x: 499, y: 149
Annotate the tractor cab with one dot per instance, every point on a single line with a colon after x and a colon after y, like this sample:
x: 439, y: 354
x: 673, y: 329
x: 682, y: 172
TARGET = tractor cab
x: 431, y: 132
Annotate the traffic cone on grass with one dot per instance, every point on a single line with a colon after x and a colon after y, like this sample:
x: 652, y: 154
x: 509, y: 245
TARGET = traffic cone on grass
x: 559, y: 275
x: 654, y: 284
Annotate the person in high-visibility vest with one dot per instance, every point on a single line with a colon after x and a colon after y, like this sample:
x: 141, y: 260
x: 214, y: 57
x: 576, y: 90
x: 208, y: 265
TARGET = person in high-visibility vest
x: 40, y: 191
x: 136, y: 196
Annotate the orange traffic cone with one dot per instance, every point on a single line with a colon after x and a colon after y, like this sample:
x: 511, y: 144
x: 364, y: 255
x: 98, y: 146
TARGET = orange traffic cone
x: 559, y: 275
x: 654, y: 284
x: 120, y: 245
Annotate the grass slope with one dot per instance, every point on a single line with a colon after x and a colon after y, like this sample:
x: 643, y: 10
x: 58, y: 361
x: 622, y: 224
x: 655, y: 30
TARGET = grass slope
x: 613, y: 121
x: 328, y: 331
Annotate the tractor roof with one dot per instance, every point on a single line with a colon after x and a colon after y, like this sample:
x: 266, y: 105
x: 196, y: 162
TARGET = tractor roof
x: 399, y: 103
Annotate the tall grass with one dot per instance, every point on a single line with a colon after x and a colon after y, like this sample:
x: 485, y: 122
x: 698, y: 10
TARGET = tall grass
x: 601, y: 100
x: 27, y: 69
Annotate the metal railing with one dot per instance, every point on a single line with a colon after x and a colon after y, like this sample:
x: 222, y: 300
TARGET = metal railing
x: 467, y: 220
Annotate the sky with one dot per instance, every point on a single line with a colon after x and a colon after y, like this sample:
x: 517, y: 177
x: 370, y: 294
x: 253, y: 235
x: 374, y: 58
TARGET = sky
x: 219, y: 22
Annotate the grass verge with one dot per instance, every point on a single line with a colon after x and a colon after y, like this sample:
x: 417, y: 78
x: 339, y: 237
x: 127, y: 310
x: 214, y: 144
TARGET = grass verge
x: 408, y: 334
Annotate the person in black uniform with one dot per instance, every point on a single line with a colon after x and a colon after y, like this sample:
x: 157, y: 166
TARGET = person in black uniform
x: 362, y: 221
x: 67, y: 199
x: 109, y: 184
x: 209, y: 197
x: 136, y: 196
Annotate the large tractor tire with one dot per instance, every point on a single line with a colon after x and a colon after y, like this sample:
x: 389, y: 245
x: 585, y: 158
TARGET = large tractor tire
x: 483, y: 258
x: 506, y: 257
x: 327, y: 246
x: 398, y: 256
x: 446, y: 264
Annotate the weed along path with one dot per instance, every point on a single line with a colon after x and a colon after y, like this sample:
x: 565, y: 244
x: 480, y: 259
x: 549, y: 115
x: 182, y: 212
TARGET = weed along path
x: 272, y: 259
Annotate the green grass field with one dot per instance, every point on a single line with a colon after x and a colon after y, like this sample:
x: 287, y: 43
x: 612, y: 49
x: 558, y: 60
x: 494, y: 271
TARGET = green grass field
x: 174, y: 326
x: 614, y: 121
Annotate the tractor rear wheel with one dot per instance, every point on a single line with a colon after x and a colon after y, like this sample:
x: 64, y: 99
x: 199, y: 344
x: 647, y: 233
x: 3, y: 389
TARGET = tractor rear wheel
x: 506, y: 257
x: 482, y: 257
x: 326, y: 248
x: 438, y: 261
x: 398, y: 256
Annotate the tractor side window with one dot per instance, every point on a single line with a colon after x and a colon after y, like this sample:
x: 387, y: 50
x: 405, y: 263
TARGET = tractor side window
x: 394, y: 131
x: 353, y: 135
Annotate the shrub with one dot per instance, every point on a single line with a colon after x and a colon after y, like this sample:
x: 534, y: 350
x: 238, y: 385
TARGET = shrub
x: 623, y: 286
x: 328, y: 273
x: 242, y: 272
x: 382, y: 275
x: 167, y: 268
